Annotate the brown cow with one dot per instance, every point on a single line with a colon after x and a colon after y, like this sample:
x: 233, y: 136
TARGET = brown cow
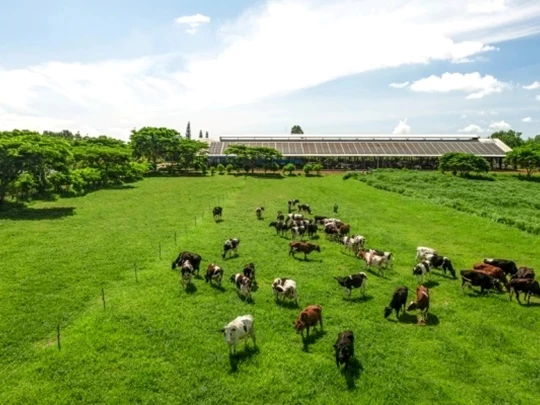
x: 214, y: 273
x: 309, y: 317
x: 304, y: 247
x: 524, y: 285
x: 494, y: 272
x: 421, y: 303
x: 524, y: 272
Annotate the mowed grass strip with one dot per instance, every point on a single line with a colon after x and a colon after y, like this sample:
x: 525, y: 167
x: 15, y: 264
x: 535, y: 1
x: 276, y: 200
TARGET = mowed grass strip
x: 155, y: 343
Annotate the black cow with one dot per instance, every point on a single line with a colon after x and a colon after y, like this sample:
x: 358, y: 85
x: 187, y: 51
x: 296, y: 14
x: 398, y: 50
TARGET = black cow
x: 281, y: 227
x: 249, y: 272
x: 508, y: 266
x: 480, y: 279
x: 304, y: 207
x: 193, y: 258
x: 312, y: 229
x: 525, y: 285
x: 353, y: 281
x: 437, y: 262
x: 399, y: 301
x: 217, y: 212
x: 524, y: 272
x: 319, y: 219
x: 280, y: 216
x: 230, y: 245
x: 344, y: 348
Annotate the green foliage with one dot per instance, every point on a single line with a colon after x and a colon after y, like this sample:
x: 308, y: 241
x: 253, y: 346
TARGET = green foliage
x: 350, y: 175
x: 158, y: 344
x: 247, y: 156
x: 308, y: 168
x: 317, y: 167
x: 289, y: 168
x: 526, y: 157
x: 229, y: 168
x: 296, y: 129
x: 188, y: 130
x: 200, y: 133
x: 463, y: 163
x: 153, y: 143
x: 511, y: 138
x: 221, y: 168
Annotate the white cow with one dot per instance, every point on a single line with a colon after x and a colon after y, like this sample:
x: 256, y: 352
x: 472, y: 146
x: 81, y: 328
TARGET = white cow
x: 285, y: 288
x: 353, y: 243
x: 238, y: 329
x: 422, y: 251
x: 373, y: 260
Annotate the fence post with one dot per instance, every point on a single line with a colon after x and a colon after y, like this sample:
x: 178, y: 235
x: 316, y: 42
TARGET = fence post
x: 103, y: 297
x: 135, y: 270
x: 58, y: 336
x: 174, y: 238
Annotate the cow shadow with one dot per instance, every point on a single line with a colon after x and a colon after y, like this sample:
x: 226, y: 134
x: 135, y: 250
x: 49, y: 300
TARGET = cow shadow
x: 217, y: 287
x: 361, y: 298
x: 191, y: 288
x: 218, y: 221
x: 443, y: 275
x: 245, y: 299
x: 240, y: 357
x: 410, y: 319
x: 287, y: 304
x: 431, y: 283
x: 375, y: 272
x: 353, y: 373
x: 254, y: 287
x: 312, y: 338
x: 315, y: 237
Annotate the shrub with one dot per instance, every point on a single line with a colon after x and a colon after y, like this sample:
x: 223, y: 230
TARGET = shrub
x: 289, y: 167
x: 221, y: 168
x: 349, y: 175
x: 213, y: 171
x: 462, y: 163
x: 229, y: 168
x: 308, y: 168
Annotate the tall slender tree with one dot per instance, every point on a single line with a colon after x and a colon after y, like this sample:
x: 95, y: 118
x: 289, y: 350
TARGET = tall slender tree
x: 200, y: 133
x: 188, y: 131
x: 207, y: 135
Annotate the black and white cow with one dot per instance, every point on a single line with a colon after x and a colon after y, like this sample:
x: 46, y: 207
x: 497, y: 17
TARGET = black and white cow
x: 298, y: 231
x: 230, y: 246
x: 217, y: 212
x: 508, y: 266
x: 258, y: 212
x: 214, y: 273
x: 193, y: 258
x: 353, y: 281
x: 304, y: 208
x: 437, y: 262
x: 242, y: 284
x: 186, y: 273
x: 421, y: 270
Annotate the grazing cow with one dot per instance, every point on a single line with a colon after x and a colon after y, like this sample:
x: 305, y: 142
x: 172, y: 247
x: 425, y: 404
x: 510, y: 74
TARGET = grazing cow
x: 193, y: 258
x: 437, y: 262
x: 331, y: 231
x: 280, y: 216
x: 344, y: 229
x: 373, y: 260
x: 308, y: 318
x: 344, y: 348
x: 186, y: 272
x: 303, y: 247
x: 399, y: 300
x: 214, y: 273
x: 281, y: 227
x: 298, y: 231
x: 421, y: 303
x: 312, y: 230
x: 524, y: 272
x: 421, y: 270
x: 239, y: 329
x: 494, y: 272
x: 353, y: 281
x: 217, y: 212
x: 294, y: 217
x: 353, y: 243
x: 508, y: 266
x: 422, y: 251
x: 319, y: 219
x: 334, y: 221
x: 243, y: 284
x: 525, y: 285
x: 249, y: 272
x: 258, y: 212
x: 285, y: 288
x: 291, y: 204
x: 480, y: 279
x: 304, y: 208
x: 230, y: 245
x: 389, y: 255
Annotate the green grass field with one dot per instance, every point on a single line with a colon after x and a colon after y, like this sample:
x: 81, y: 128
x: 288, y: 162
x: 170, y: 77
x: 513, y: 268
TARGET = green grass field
x: 155, y: 343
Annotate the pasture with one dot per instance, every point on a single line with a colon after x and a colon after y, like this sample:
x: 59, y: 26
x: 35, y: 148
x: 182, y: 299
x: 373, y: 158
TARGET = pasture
x: 155, y: 343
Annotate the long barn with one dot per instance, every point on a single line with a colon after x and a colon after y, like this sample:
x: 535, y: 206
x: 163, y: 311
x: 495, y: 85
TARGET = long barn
x: 366, y: 151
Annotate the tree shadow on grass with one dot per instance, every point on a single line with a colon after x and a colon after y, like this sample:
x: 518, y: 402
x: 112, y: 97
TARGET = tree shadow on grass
x: 241, y: 356
x: 268, y: 176
x: 353, y: 373
x: 37, y: 214
x: 312, y: 338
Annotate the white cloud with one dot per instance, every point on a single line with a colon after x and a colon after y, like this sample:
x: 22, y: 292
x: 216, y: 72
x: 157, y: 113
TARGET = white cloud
x: 533, y: 86
x: 402, y: 128
x: 193, y: 22
x: 537, y: 98
x: 526, y: 119
x: 500, y: 126
x: 487, y: 6
x: 399, y: 85
x: 471, y: 129
x: 475, y: 84
x: 462, y: 116
x: 270, y: 50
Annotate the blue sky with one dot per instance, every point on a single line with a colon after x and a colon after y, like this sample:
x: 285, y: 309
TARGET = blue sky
x: 365, y: 66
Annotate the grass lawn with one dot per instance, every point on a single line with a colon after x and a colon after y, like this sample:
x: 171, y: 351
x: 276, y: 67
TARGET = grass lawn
x: 155, y: 343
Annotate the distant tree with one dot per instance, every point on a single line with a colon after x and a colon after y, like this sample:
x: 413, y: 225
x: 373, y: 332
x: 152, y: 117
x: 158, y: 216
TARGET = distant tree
x: 510, y: 138
x: 200, y: 133
x: 206, y: 134
x: 533, y: 140
x: 188, y: 130
x: 229, y: 168
x: 526, y: 157
x: 289, y: 168
x: 308, y: 168
x: 296, y: 130
x: 317, y: 167
x: 221, y: 168
x: 153, y: 143
x: 212, y: 170
x: 246, y: 156
x: 463, y: 163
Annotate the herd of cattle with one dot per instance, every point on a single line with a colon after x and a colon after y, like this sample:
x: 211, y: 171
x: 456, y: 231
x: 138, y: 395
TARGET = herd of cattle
x: 491, y: 274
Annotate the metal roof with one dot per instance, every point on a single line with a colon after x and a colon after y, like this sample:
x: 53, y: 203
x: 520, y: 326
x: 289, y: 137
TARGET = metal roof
x: 333, y: 137
x: 373, y: 147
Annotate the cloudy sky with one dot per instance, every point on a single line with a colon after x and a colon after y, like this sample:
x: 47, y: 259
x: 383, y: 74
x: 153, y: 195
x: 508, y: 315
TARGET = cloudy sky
x: 240, y: 66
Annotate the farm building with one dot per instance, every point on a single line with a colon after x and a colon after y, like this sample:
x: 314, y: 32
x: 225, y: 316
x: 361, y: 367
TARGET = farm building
x: 366, y: 151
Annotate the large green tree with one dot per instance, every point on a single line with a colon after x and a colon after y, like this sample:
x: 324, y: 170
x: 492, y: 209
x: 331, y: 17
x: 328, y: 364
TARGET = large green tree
x: 153, y: 143
x: 526, y: 157
x: 188, y: 153
x: 248, y: 156
x: 463, y: 163
x: 296, y: 129
x: 511, y: 138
